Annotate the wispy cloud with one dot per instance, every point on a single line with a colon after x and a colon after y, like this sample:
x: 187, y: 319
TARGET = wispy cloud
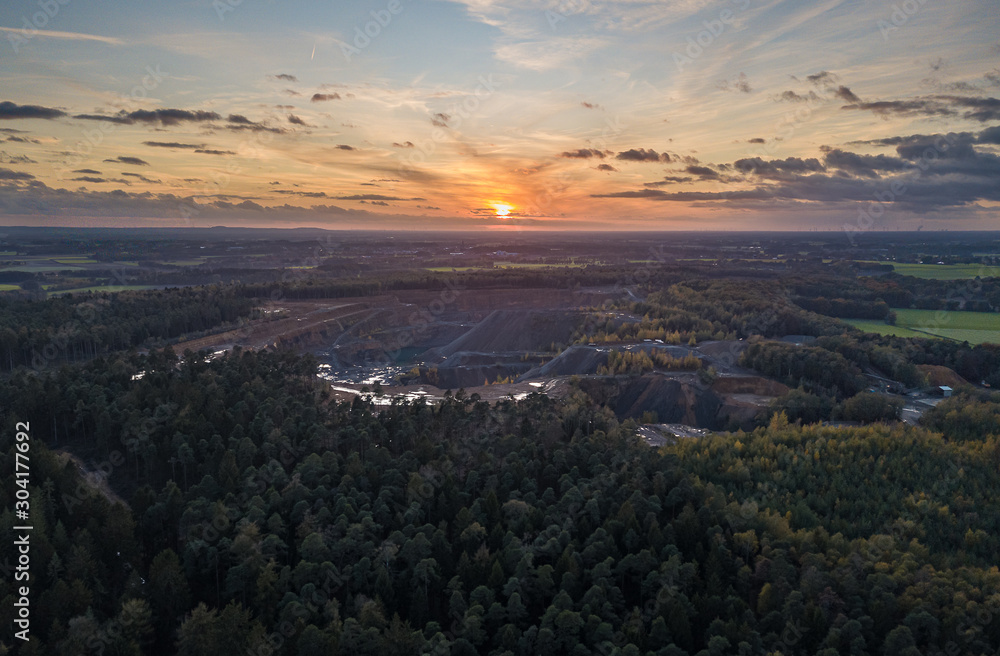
x: 74, y: 36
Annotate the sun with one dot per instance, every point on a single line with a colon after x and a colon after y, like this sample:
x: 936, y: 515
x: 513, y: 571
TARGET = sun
x: 502, y: 209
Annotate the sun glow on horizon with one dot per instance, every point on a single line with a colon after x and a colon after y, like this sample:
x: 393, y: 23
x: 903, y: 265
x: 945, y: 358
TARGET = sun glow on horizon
x: 502, y: 209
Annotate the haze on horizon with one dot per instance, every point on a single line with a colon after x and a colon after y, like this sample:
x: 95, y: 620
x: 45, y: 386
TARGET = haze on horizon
x: 496, y: 114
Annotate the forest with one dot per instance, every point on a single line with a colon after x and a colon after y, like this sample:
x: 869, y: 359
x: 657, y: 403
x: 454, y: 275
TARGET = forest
x: 251, y: 514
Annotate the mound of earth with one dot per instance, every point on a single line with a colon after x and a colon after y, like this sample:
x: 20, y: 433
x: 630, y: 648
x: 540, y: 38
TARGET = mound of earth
x: 673, y: 401
x: 748, y: 385
x: 577, y: 360
x: 506, y: 331
x: 938, y: 375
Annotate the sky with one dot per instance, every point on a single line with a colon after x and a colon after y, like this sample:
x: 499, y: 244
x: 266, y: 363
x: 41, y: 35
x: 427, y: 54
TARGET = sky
x: 846, y: 115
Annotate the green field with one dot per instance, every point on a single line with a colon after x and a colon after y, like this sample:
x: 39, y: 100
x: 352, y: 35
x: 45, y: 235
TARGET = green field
x: 972, y: 327
x: 74, y: 260
x: 8, y: 288
x: 944, y: 271
x: 43, y: 268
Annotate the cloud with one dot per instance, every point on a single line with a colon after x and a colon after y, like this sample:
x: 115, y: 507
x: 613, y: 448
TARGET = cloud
x: 209, y: 151
x: 590, y: 105
x: 72, y: 36
x: 973, y: 108
x: 322, y: 97
x: 295, y: 120
x: 777, y: 168
x: 88, y: 178
x: 642, y: 155
x: 703, y: 172
x: 863, y: 165
x: 9, y: 111
x: 172, y: 144
x: 668, y: 180
x: 440, y: 120
x: 740, y: 84
x: 8, y: 174
x: 16, y: 139
x: 823, y: 77
x: 993, y: 77
x: 6, y: 158
x: 405, y: 144
x: 165, y: 117
x: 139, y: 176
x: 88, y: 171
x: 791, y: 96
x: 606, y: 167
x: 124, y: 159
x: 238, y: 122
x: 284, y: 76
x: 345, y: 147
x: 374, y: 197
x: 757, y: 140
x: 846, y: 94
x: 586, y: 153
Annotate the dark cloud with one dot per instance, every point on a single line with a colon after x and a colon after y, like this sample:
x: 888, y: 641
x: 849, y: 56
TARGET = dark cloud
x: 210, y: 151
x: 973, y: 108
x: 777, y: 168
x: 740, y: 84
x: 295, y: 120
x: 88, y: 171
x: 124, y: 159
x: 866, y: 166
x: 405, y: 144
x: 291, y: 92
x: 165, y: 117
x: 374, y: 197
x: 8, y: 174
x: 88, y: 178
x: 10, y: 111
x: 606, y: 167
x: 440, y: 120
x: 139, y: 176
x: 757, y: 140
x: 642, y: 155
x: 990, y: 136
x: 345, y: 147
x: 993, y: 77
x: 702, y: 171
x: 590, y: 105
x: 791, y: 96
x: 846, y: 95
x: 238, y: 122
x: 823, y: 77
x: 586, y: 153
x: 303, y: 194
x: 17, y: 139
x: 668, y: 180
x: 322, y: 97
x: 979, y: 109
x: 7, y: 158
x: 171, y: 144
x: 284, y: 76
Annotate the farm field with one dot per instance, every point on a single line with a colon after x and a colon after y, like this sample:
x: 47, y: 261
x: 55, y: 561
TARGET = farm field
x: 972, y: 327
x: 944, y: 271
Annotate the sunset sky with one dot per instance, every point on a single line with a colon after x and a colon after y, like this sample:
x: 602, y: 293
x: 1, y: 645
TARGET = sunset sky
x: 468, y: 114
